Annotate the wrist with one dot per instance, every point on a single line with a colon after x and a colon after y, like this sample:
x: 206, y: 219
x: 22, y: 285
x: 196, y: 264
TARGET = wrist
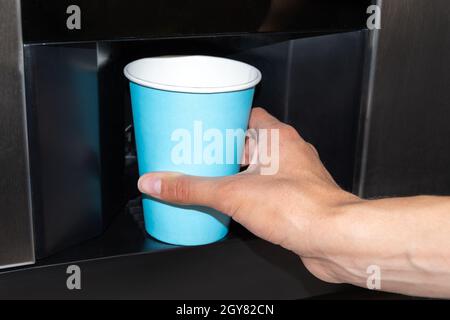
x: 336, y: 223
x: 331, y: 238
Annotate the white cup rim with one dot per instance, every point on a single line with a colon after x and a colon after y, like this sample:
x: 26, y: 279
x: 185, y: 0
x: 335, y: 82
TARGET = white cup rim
x: 193, y: 74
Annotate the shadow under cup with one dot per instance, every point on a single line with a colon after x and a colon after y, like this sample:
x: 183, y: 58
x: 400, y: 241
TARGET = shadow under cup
x: 190, y: 114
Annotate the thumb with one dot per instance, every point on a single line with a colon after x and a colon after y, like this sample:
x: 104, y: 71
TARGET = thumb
x: 181, y: 189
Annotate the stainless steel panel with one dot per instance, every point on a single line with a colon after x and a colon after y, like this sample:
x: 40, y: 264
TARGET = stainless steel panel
x: 64, y: 128
x: 16, y: 238
x: 314, y: 84
x: 408, y: 131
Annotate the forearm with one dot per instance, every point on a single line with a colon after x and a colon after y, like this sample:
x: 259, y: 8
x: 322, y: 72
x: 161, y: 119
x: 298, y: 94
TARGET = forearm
x: 408, y: 239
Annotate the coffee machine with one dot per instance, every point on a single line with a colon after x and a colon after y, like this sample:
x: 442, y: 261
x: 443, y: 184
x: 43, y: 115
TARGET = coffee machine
x: 68, y: 160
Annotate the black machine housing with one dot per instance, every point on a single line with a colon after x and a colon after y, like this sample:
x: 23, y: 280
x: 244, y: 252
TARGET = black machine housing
x: 70, y: 166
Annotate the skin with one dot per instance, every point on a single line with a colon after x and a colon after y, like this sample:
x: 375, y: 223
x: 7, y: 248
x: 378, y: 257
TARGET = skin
x: 336, y: 234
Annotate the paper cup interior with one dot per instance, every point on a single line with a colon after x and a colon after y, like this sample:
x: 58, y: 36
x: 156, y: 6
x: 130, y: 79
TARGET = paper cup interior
x: 193, y: 74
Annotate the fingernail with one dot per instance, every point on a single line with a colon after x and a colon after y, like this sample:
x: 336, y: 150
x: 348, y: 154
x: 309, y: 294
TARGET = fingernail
x: 150, y: 185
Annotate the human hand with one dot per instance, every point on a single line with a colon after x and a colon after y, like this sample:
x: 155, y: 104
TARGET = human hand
x: 292, y: 208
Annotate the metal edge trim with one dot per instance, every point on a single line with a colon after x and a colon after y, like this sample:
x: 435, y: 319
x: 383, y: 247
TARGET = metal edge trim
x: 21, y: 66
x: 366, y: 109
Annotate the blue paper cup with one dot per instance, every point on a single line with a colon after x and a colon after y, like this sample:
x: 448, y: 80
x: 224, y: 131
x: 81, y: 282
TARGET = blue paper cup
x: 183, y: 108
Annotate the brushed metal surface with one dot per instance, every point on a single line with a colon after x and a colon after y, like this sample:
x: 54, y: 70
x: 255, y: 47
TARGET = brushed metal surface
x: 64, y: 128
x: 408, y: 139
x: 367, y: 86
x: 16, y: 234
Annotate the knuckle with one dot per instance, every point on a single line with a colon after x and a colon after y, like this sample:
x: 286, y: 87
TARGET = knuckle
x: 179, y: 190
x: 313, y: 149
x: 289, y: 132
x: 259, y: 110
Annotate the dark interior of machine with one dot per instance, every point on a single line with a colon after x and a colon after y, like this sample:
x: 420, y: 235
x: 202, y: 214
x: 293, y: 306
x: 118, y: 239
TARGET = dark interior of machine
x: 314, y: 85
